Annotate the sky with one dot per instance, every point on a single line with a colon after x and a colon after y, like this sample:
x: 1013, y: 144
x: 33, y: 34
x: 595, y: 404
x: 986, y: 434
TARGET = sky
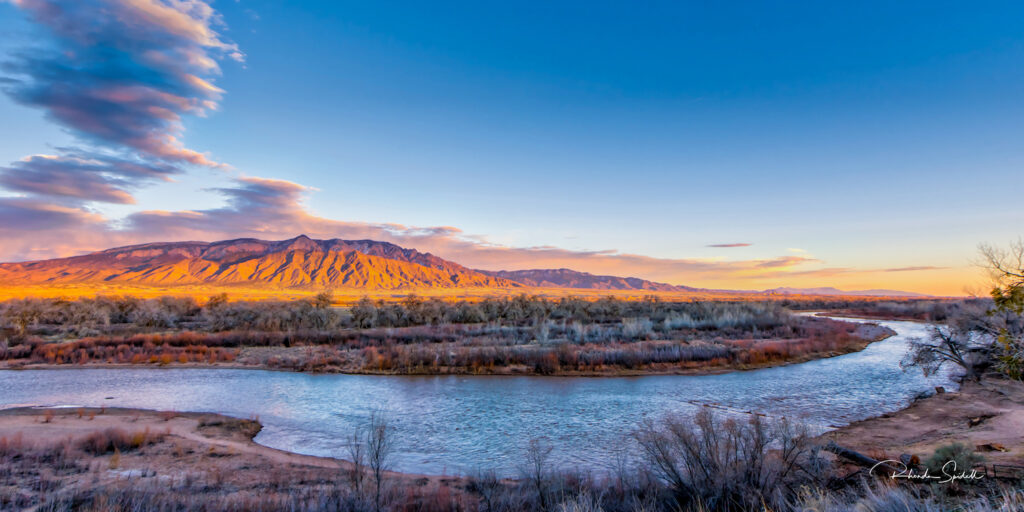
x: 742, y: 146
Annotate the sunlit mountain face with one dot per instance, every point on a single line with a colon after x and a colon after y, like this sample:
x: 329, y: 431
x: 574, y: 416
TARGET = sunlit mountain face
x: 299, y: 262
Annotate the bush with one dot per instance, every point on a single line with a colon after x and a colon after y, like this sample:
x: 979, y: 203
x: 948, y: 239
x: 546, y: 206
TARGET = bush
x: 115, y: 439
x: 730, y: 464
x: 962, y: 456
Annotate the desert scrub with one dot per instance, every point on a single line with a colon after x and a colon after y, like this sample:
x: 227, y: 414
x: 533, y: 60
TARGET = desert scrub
x: 118, y: 440
x: 963, y: 456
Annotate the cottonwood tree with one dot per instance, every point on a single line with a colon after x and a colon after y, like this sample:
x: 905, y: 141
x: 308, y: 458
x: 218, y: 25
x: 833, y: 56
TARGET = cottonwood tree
x: 956, y: 345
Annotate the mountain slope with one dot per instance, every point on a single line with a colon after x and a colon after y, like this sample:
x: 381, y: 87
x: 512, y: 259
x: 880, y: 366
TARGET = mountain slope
x: 565, y: 278
x: 296, y: 263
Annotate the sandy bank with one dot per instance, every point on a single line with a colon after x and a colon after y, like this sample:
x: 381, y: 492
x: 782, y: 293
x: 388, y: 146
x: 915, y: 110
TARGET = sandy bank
x: 182, y: 447
x: 988, y: 416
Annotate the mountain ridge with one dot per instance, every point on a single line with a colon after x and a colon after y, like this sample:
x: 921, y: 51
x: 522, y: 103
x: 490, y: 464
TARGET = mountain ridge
x: 297, y: 262
x: 567, y: 278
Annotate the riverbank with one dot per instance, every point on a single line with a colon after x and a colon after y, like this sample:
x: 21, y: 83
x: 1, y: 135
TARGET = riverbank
x: 567, y: 360
x: 988, y: 417
x: 57, y: 453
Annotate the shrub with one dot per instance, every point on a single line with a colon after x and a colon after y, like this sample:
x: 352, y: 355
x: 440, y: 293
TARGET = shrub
x: 115, y: 439
x: 730, y: 464
x: 962, y: 456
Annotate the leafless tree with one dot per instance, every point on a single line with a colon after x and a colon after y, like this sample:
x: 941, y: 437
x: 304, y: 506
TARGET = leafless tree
x: 487, y: 485
x: 379, y: 452
x: 965, y: 348
x: 1005, y: 266
x: 356, y: 448
x: 536, y: 469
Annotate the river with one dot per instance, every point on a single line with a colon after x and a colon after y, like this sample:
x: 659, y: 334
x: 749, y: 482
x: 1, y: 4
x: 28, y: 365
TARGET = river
x: 460, y: 424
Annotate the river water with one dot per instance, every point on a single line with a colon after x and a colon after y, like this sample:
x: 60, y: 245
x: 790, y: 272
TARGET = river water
x: 460, y: 424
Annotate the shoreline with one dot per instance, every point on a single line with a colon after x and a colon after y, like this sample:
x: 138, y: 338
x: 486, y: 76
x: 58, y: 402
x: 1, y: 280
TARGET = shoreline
x: 696, y: 372
x: 986, y: 416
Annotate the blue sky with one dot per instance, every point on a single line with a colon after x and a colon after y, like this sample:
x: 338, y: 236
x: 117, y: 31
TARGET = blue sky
x: 863, y: 135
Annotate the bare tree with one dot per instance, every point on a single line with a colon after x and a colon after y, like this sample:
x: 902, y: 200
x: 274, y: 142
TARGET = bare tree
x: 324, y: 299
x: 487, y: 485
x: 379, y: 452
x: 1005, y: 266
x: 536, y: 469
x: 964, y: 347
x: 356, y: 448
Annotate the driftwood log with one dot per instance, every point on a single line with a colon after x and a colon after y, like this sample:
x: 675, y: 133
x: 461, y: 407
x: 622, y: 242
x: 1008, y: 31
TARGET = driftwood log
x: 859, y: 458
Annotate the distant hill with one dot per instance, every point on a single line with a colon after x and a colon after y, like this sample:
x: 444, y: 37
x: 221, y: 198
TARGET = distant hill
x: 836, y: 291
x: 565, y: 278
x: 296, y: 263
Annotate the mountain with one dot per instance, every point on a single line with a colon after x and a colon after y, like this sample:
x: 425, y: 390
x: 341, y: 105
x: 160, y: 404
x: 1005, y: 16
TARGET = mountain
x: 296, y: 263
x: 836, y: 291
x: 303, y: 262
x: 565, y: 278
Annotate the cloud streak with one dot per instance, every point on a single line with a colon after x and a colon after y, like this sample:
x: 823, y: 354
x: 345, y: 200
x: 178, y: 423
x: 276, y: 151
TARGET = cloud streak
x: 81, y: 176
x: 738, y: 244
x: 914, y: 269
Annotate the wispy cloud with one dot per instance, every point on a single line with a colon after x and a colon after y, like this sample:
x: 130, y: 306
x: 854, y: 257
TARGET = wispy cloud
x: 913, y: 269
x: 81, y: 176
x: 737, y: 244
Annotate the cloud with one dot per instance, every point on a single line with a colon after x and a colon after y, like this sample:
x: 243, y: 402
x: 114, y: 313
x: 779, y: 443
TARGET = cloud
x: 785, y: 262
x: 25, y: 215
x: 914, y: 269
x: 738, y: 244
x: 123, y: 72
x: 34, y: 229
x: 82, y: 176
